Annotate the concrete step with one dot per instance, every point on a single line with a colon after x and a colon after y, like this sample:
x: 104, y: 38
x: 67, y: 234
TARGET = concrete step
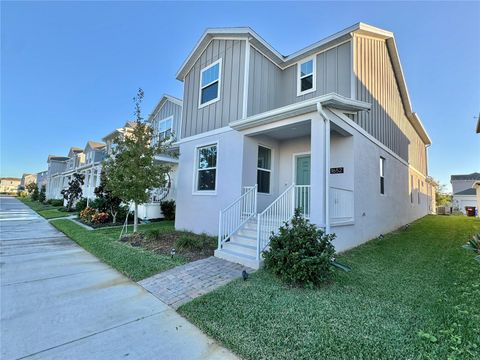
x: 247, y: 232
x: 241, y: 248
x: 238, y: 258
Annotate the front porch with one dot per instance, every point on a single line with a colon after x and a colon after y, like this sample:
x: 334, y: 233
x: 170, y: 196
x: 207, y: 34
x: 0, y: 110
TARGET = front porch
x: 286, y: 168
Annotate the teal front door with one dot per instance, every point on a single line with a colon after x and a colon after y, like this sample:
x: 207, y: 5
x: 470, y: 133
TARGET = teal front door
x: 302, y: 180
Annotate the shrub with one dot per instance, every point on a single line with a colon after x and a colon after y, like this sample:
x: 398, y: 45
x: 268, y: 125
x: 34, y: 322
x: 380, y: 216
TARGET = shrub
x: 300, y: 254
x: 122, y: 214
x: 35, y: 193
x: 100, y: 218
x: 42, y: 194
x: 168, y: 209
x: 99, y: 204
x: 152, y: 234
x: 55, y: 202
x: 188, y: 241
x: 87, y: 213
x: 81, y: 204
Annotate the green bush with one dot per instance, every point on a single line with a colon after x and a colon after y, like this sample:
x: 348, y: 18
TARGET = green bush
x: 168, y: 209
x: 193, y: 242
x: 152, y: 234
x: 122, y: 214
x: 99, y: 204
x: 55, y: 202
x: 42, y: 194
x: 35, y: 193
x: 300, y: 254
x: 81, y: 204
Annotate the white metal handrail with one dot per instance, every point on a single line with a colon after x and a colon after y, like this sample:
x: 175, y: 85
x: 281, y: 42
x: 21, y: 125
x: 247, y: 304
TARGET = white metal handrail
x: 234, y: 216
x: 270, y: 219
x: 303, y: 199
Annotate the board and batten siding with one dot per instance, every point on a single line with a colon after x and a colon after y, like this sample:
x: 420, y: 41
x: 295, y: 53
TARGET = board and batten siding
x: 169, y: 109
x: 270, y: 87
x: 229, y: 108
x: 376, y: 84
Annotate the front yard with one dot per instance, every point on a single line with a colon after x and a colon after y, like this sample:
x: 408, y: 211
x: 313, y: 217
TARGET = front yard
x: 414, y: 294
x: 45, y: 210
x: 144, y: 254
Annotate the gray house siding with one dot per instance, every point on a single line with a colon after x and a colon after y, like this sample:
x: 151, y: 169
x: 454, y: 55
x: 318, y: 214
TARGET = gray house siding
x: 169, y: 109
x: 270, y: 87
x: 229, y: 107
x: 376, y: 83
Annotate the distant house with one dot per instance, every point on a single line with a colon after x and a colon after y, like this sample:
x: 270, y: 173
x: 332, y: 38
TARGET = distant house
x: 27, y: 179
x: 42, y: 179
x: 464, y: 192
x: 9, y: 185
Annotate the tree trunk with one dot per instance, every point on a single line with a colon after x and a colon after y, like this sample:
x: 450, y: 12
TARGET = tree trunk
x: 114, y: 217
x: 135, y: 219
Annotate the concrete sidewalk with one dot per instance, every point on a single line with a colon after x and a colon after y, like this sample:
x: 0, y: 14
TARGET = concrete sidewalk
x: 60, y: 302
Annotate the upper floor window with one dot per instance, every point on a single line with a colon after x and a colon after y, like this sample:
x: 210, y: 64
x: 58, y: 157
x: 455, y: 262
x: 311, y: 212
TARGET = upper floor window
x: 206, y: 169
x: 382, y: 175
x: 165, y: 128
x: 264, y: 169
x: 306, y: 76
x: 210, y: 83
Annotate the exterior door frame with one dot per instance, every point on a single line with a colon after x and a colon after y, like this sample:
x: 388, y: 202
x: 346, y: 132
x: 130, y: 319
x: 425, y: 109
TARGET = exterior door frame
x: 294, y: 165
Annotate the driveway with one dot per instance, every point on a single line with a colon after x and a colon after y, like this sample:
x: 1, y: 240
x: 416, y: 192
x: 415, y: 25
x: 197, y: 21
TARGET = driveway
x: 60, y: 302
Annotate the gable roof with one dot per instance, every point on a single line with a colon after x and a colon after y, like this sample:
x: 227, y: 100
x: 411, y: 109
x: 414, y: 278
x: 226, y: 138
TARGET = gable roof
x: 57, y: 158
x: 94, y: 145
x: 284, y: 61
x: 163, y: 99
x: 472, y: 176
x: 471, y: 191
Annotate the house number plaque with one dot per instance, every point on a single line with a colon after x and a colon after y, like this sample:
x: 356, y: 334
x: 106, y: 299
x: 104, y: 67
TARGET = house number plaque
x: 337, y: 170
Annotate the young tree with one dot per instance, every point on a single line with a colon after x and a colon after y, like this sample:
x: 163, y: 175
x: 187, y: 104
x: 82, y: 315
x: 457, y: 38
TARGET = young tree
x: 74, y: 190
x: 110, y: 203
x: 34, y: 191
x: 42, y: 195
x: 132, y: 170
x: 442, y: 197
x: 31, y: 187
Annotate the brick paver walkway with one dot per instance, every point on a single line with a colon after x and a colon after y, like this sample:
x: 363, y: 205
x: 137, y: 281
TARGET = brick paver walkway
x: 184, y: 283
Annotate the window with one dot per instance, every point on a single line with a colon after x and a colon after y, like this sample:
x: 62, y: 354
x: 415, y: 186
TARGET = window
x: 382, y: 175
x: 418, y: 192
x: 165, y: 129
x: 210, y: 84
x: 206, y: 168
x: 264, y: 169
x: 411, y: 189
x: 306, y: 77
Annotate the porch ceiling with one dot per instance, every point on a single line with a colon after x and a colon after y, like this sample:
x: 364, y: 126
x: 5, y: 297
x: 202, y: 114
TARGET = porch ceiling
x: 296, y: 130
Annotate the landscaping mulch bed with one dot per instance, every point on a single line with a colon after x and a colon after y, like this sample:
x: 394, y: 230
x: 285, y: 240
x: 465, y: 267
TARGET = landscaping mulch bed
x: 165, y: 242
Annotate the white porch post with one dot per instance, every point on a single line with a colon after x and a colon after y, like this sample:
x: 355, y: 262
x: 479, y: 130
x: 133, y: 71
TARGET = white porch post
x: 317, y: 169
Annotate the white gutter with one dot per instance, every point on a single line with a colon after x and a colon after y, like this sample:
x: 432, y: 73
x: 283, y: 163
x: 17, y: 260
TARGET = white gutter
x: 327, y: 165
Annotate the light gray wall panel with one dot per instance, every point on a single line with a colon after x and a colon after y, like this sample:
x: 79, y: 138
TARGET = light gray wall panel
x: 169, y: 109
x: 229, y: 108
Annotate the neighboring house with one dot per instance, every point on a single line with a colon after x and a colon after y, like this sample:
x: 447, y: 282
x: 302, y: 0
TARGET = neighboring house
x: 91, y: 168
x: 328, y: 129
x: 56, y: 166
x: 27, y: 179
x: 165, y: 120
x: 465, y: 193
x: 42, y: 179
x: 9, y: 185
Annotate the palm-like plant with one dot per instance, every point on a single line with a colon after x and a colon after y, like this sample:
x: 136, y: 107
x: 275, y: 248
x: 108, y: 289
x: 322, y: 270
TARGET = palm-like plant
x: 473, y: 244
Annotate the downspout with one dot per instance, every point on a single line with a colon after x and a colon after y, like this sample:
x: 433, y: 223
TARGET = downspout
x: 327, y: 165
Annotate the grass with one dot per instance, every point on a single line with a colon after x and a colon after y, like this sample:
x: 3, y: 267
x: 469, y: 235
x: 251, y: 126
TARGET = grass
x: 133, y: 262
x: 413, y: 295
x: 45, y: 210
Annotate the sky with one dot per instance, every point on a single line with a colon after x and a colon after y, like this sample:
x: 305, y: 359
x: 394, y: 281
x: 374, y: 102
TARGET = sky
x: 69, y: 70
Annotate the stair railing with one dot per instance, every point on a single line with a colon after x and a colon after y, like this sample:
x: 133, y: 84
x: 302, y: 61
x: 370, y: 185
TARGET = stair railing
x: 235, y: 215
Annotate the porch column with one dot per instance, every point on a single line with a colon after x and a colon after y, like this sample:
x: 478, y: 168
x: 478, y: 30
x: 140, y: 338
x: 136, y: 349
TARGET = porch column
x: 317, y: 172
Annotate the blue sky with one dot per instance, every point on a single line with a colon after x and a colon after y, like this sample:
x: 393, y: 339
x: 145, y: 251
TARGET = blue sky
x: 70, y: 69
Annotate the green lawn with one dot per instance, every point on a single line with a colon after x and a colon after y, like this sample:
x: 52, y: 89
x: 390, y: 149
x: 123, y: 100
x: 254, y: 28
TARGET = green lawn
x: 413, y: 295
x: 45, y: 210
x: 135, y: 263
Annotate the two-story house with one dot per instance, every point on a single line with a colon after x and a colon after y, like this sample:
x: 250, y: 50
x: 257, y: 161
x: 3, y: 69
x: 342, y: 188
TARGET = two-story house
x: 56, y: 166
x: 464, y: 193
x: 329, y: 129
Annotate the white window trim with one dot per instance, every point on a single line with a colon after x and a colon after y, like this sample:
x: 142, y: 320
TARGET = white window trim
x: 195, y: 191
x: 314, y: 75
x: 381, y: 164
x: 263, y: 169
x: 162, y: 121
x: 200, y: 105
